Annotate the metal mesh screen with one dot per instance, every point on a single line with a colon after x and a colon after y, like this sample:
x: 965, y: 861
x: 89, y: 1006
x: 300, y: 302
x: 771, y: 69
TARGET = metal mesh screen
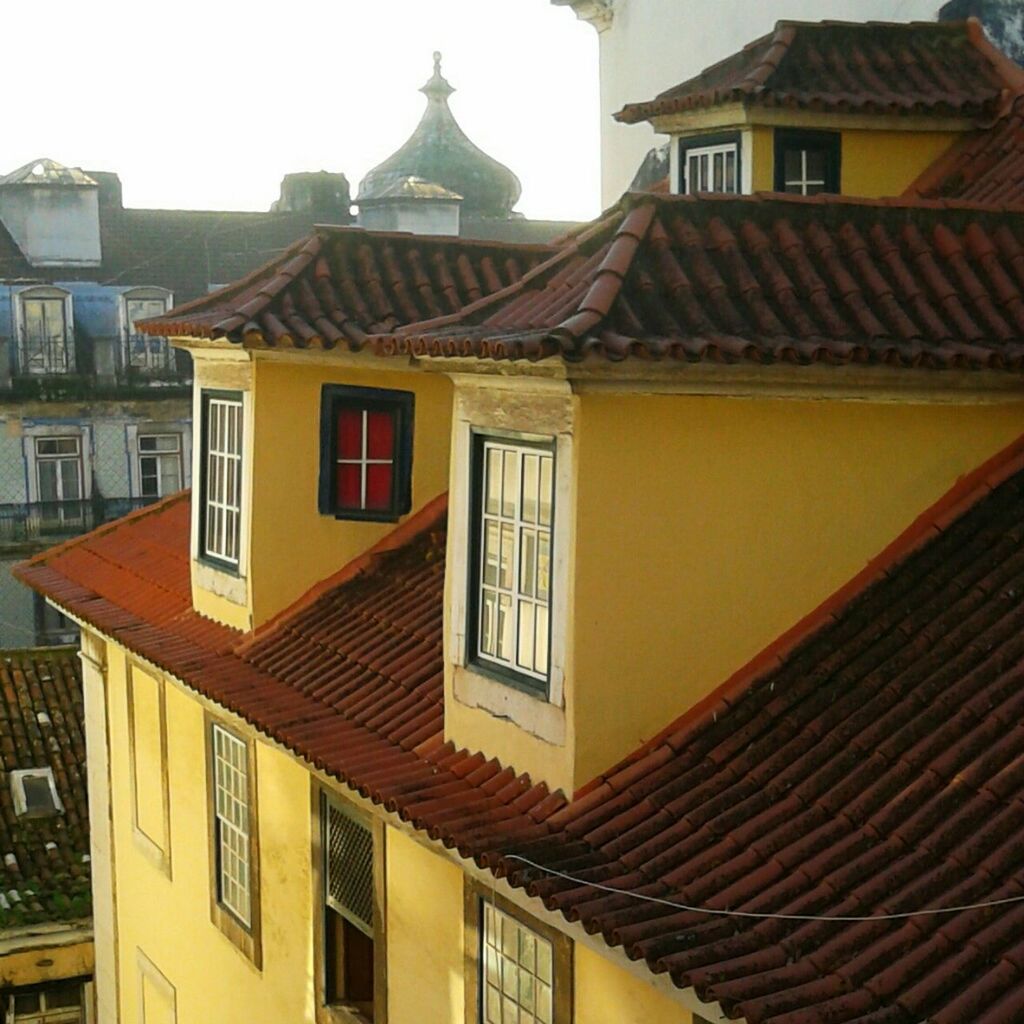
x: 349, y: 863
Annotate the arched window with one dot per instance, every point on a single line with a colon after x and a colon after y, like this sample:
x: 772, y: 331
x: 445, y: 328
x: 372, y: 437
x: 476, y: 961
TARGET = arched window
x: 45, y: 337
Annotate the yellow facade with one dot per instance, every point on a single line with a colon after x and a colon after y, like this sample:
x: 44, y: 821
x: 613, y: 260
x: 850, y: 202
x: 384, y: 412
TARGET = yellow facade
x: 875, y: 162
x: 288, y: 546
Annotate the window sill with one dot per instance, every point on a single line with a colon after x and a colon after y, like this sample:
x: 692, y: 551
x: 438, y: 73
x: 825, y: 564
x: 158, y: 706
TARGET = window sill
x: 530, y: 711
x: 220, y: 581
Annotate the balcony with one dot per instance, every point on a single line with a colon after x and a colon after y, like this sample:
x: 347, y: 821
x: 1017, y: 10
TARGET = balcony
x: 46, y: 353
x: 39, y: 524
x: 142, y: 358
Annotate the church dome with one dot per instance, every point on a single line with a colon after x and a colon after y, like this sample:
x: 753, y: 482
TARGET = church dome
x: 438, y: 151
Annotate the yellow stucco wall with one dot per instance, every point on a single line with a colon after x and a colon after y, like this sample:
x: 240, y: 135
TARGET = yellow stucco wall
x: 708, y: 526
x: 293, y: 546
x: 606, y: 992
x: 424, y: 928
x: 168, y: 919
x: 874, y: 162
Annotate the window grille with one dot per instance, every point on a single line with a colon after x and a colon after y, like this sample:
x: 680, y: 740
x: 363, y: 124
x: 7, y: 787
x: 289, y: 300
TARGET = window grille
x: 46, y: 345
x: 517, y: 972
x: 223, y: 483
x: 348, y: 855
x: 231, y: 808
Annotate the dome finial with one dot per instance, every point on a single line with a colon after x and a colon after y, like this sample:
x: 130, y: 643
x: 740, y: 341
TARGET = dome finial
x: 437, y: 88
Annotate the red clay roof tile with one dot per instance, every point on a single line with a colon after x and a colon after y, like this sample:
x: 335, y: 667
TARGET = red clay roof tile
x: 853, y: 67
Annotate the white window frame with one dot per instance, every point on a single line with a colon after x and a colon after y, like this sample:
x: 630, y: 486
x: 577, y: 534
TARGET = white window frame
x: 159, y: 456
x: 51, y: 293
x: 35, y: 430
x: 17, y: 781
x: 156, y: 349
x: 233, y: 816
x: 42, y: 458
x: 218, y: 467
x: 709, y: 153
x: 529, y: 962
x: 517, y: 595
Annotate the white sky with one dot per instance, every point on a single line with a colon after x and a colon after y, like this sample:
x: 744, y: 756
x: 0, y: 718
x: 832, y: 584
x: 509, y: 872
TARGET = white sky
x: 206, y: 104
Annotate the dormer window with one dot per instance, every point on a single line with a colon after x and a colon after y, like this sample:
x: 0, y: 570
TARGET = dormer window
x: 140, y: 352
x: 45, y: 340
x: 807, y: 162
x: 365, y: 452
x: 710, y: 163
x: 34, y: 793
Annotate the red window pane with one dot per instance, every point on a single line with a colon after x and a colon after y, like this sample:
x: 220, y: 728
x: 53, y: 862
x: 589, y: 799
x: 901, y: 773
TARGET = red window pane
x: 350, y: 490
x: 378, y: 487
x: 380, y: 435
x: 350, y: 434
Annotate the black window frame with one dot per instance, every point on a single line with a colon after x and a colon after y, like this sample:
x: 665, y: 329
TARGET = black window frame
x: 205, y: 396
x: 828, y: 142
x: 703, y: 141
x: 539, y: 688
x: 334, y: 397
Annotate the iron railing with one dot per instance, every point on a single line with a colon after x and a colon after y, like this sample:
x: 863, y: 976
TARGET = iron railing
x: 45, y: 522
x: 41, y: 353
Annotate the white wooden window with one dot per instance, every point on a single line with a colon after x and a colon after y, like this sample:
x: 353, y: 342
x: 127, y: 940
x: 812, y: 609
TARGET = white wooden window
x: 222, y: 506
x: 59, y: 1004
x: 231, y: 813
x: 159, y: 464
x: 517, y: 972
x: 59, y: 468
x: 143, y: 352
x: 46, y: 345
x: 712, y: 169
x: 514, y: 572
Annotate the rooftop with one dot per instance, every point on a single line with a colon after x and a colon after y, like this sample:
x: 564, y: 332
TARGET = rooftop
x: 867, y: 764
x: 947, y: 68
x: 45, y: 860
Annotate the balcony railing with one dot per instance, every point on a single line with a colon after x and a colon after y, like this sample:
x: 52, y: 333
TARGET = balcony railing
x: 43, y: 353
x: 46, y: 522
x: 143, y: 356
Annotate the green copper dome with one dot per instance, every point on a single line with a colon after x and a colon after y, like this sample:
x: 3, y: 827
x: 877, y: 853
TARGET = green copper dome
x: 439, y: 152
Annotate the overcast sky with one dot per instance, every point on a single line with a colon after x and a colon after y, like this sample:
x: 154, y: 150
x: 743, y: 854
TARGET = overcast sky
x: 206, y: 104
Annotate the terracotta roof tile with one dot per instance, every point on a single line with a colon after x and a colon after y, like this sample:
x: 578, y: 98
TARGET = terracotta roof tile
x: 986, y: 166
x: 44, y: 861
x: 764, y: 279
x: 340, y: 284
x: 868, y: 762
x: 945, y: 68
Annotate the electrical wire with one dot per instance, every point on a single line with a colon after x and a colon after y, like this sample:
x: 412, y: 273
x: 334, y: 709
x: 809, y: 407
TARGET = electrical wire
x: 901, y: 916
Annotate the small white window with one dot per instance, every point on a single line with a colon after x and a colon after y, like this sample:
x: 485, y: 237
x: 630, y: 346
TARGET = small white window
x: 60, y: 481
x: 513, y: 592
x: 711, y: 169
x: 231, y: 815
x: 159, y: 464
x: 222, y: 476
x: 34, y: 793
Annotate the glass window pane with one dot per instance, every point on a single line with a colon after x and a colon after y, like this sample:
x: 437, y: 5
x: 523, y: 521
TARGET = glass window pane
x: 531, y: 486
x: 493, y: 481
x: 527, y: 561
x: 509, y: 490
x: 380, y: 435
x: 46, y: 473
x: 526, y: 625
x: 504, y: 628
x: 170, y: 474
x: 546, y: 492
x: 70, y: 480
x: 730, y: 171
x: 815, y: 165
x: 540, y: 663
x: 792, y: 162
x: 490, y: 553
x: 350, y: 485
x: 507, y: 556
x: 719, y: 172
x: 488, y: 610
x: 378, y: 486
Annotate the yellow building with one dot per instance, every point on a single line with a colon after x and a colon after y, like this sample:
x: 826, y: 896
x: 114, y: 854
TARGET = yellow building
x: 617, y: 631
